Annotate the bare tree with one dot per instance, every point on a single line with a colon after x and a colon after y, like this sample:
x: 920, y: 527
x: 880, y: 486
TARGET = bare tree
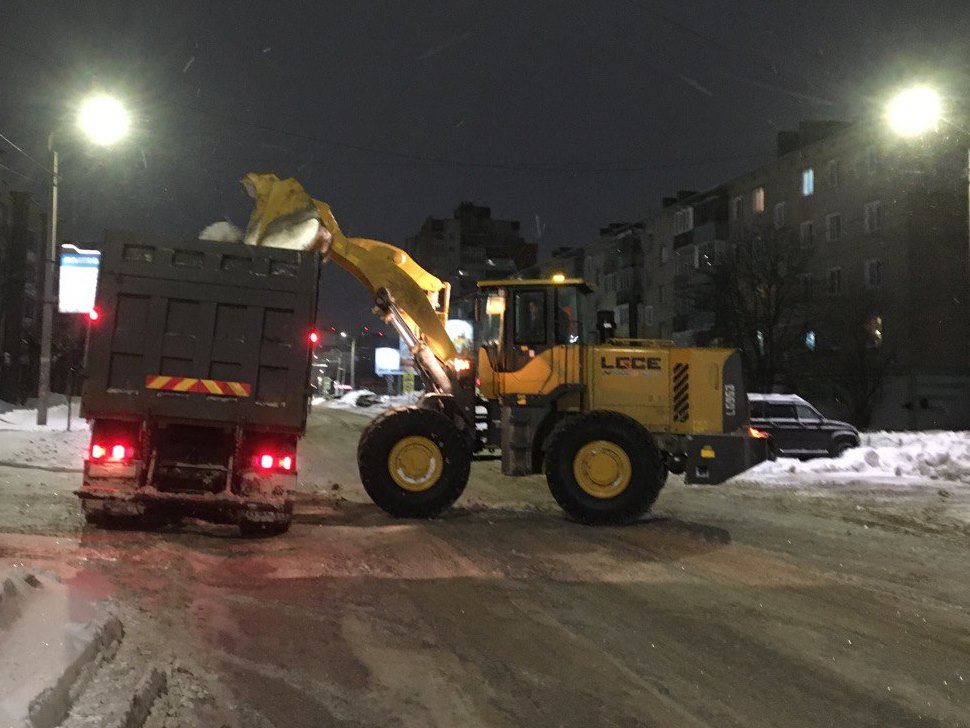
x: 759, y: 298
x: 854, y: 358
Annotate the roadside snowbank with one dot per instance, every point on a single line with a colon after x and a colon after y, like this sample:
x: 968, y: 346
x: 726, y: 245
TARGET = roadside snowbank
x: 907, y: 456
x: 25, y: 420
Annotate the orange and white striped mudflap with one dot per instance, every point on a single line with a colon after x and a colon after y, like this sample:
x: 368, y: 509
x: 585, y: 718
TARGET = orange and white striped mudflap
x: 197, y: 386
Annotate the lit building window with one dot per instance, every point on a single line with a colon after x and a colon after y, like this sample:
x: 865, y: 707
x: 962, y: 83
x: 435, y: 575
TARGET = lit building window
x: 758, y: 200
x: 808, y: 182
x: 810, y: 341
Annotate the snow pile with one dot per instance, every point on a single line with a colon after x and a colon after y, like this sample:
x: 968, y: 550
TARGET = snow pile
x: 352, y: 396
x: 380, y: 402
x: 26, y: 419
x: 934, y: 456
x: 222, y: 232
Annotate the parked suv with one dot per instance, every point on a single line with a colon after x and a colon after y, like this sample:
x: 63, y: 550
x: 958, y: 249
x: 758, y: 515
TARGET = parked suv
x: 799, y: 430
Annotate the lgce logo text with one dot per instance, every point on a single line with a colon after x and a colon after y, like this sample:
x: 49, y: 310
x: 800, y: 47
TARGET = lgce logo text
x: 630, y: 365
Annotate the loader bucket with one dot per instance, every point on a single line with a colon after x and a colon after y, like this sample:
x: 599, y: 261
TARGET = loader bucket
x: 285, y: 216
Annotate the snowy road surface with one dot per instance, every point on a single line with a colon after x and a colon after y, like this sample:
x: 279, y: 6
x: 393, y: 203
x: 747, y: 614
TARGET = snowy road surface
x: 783, y: 599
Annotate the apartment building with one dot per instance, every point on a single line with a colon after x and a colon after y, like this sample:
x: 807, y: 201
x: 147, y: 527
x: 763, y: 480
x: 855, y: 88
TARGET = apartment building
x: 469, y: 247
x: 23, y: 231
x: 884, y: 225
x: 612, y: 264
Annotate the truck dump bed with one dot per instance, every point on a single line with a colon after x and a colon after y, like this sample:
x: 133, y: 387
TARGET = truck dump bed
x: 200, y: 331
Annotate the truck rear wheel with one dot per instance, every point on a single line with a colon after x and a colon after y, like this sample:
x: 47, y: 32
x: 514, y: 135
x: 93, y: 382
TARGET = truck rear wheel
x: 413, y: 462
x: 603, y: 468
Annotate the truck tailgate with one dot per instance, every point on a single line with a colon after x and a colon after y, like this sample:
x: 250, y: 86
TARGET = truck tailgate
x: 203, y: 331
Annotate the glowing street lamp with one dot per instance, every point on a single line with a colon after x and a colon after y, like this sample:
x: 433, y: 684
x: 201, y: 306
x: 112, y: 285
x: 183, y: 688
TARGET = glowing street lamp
x: 914, y: 111
x: 103, y: 121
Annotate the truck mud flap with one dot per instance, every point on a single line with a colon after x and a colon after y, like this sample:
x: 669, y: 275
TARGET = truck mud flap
x: 712, y: 459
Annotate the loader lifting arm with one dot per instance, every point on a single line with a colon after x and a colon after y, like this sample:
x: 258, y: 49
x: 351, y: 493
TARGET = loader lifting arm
x: 407, y: 296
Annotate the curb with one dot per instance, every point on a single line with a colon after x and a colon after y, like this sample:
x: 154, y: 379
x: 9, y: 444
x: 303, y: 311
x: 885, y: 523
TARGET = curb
x: 51, y: 707
x: 53, y: 641
x: 45, y: 468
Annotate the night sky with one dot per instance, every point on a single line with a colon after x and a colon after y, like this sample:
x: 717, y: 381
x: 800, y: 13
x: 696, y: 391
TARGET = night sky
x: 573, y: 113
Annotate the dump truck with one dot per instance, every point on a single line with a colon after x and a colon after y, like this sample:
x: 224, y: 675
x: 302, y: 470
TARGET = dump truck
x: 197, y: 382
x: 604, y: 419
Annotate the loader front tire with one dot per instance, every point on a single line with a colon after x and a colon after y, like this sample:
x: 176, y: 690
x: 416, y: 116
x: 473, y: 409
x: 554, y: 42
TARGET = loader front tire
x: 603, y: 468
x: 413, y: 462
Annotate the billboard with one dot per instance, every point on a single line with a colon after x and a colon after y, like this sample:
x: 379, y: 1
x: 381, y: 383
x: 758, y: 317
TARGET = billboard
x: 77, y: 280
x: 387, y: 360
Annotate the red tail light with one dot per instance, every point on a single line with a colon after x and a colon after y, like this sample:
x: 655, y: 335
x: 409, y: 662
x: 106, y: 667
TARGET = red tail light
x: 94, y: 314
x: 314, y: 337
x: 757, y: 434
x: 270, y: 461
x: 115, y: 453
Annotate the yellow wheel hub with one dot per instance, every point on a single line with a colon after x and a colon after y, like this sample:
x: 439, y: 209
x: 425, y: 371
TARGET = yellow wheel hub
x: 602, y: 469
x: 415, y: 463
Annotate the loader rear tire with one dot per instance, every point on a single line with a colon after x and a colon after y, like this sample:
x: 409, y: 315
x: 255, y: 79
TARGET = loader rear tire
x: 603, y: 468
x: 413, y: 462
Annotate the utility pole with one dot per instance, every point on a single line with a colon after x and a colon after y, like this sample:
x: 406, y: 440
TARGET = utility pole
x: 353, y: 363
x: 47, y: 321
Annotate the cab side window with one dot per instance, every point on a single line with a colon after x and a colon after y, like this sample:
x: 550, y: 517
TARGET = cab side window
x: 807, y: 415
x: 567, y: 316
x: 530, y: 318
x: 781, y: 411
x: 758, y: 409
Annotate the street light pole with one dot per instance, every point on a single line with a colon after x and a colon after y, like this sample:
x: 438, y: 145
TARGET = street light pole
x: 353, y: 359
x: 353, y: 363
x: 47, y: 318
x: 104, y: 121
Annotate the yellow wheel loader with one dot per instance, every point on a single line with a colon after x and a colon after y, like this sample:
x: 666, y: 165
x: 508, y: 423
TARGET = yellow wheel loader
x: 605, y: 419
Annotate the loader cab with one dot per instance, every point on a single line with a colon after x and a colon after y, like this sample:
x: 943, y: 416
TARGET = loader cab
x: 520, y: 320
